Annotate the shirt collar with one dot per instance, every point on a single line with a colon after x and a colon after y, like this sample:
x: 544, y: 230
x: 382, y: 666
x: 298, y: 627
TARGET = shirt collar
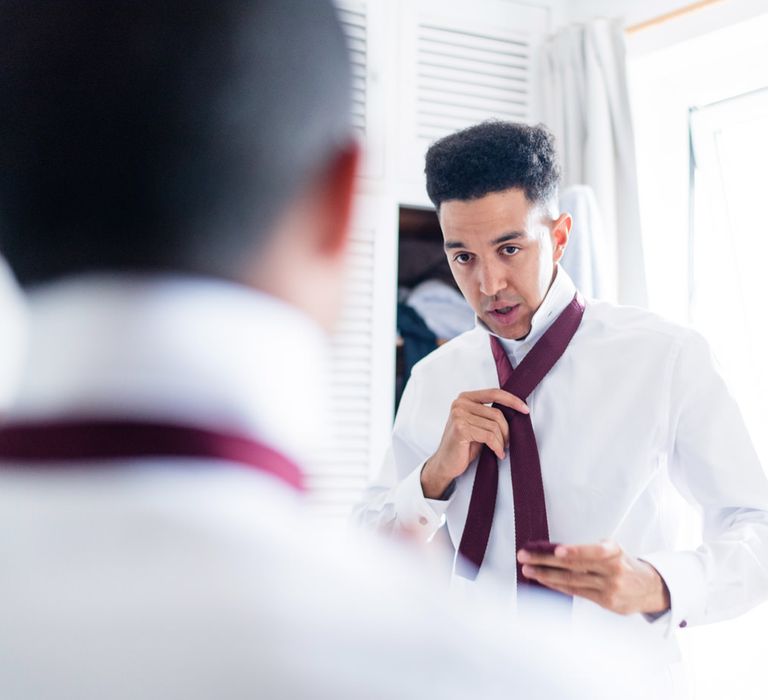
x: 558, y: 296
x: 205, y: 352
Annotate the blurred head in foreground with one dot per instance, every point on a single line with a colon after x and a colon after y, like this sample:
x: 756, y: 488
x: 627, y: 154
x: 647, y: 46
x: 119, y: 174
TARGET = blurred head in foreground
x: 181, y: 136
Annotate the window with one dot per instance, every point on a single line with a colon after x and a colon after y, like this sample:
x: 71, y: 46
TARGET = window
x: 701, y: 122
x: 728, y: 244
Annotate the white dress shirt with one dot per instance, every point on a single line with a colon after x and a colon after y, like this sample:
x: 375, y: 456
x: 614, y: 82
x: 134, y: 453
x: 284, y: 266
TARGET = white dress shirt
x: 632, y: 415
x: 181, y: 578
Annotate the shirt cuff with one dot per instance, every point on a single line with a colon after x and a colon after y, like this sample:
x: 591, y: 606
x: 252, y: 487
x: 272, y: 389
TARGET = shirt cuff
x: 421, y: 516
x: 684, y: 575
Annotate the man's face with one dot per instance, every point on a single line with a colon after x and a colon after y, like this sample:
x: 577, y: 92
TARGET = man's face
x: 502, y: 251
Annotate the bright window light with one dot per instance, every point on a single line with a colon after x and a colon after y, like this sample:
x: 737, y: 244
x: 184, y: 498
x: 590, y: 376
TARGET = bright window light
x: 706, y: 240
x: 729, y: 243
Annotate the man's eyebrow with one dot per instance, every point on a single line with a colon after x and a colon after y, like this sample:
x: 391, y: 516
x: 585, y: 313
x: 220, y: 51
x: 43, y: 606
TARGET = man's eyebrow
x: 511, y: 236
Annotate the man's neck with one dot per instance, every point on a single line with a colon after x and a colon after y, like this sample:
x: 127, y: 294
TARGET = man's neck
x: 194, y: 350
x: 559, y: 295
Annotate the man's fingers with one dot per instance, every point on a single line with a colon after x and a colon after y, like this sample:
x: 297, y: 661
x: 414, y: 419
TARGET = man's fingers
x: 490, y: 438
x: 552, y: 577
x: 498, y: 444
x: 491, y: 414
x: 486, y: 424
x: 603, y: 558
x: 600, y: 572
x: 541, y: 559
x: 588, y: 552
x: 550, y: 561
x: 497, y: 396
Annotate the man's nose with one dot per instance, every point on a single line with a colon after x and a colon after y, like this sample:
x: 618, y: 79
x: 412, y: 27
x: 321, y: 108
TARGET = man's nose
x: 492, y: 279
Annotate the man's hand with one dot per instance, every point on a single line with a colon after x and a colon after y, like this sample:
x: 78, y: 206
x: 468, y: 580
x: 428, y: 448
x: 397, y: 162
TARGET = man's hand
x: 603, y: 573
x: 471, y: 424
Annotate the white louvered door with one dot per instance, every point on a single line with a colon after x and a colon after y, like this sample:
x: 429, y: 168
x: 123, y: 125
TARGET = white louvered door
x: 463, y: 63
x: 363, y: 355
x: 366, y: 47
x: 354, y: 19
x: 362, y: 396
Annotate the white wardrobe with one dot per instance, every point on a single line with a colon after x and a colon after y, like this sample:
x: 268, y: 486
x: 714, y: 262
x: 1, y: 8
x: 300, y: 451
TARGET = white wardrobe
x: 422, y: 69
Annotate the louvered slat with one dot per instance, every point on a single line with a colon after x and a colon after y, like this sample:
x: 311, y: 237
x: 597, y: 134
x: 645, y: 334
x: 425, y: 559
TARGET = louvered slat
x: 485, y: 40
x: 354, y: 24
x: 464, y: 77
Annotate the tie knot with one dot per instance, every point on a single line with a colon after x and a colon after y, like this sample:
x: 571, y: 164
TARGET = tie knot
x: 509, y: 413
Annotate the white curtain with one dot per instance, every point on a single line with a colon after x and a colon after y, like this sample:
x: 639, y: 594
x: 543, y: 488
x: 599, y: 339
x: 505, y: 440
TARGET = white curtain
x: 584, y: 258
x: 585, y: 102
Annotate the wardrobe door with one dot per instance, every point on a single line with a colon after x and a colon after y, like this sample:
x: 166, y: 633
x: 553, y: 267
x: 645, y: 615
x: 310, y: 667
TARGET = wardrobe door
x: 366, y: 24
x: 462, y: 63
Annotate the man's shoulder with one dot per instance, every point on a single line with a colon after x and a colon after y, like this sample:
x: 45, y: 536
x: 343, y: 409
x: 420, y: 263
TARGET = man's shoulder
x: 463, y: 346
x: 607, y: 321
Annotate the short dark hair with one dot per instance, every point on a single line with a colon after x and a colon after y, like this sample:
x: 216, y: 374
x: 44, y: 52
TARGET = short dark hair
x: 493, y: 156
x: 166, y: 135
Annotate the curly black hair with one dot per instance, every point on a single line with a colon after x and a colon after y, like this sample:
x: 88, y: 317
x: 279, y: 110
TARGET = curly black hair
x: 493, y: 156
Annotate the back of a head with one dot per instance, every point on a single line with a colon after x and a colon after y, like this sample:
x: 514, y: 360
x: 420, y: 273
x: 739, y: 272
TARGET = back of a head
x: 494, y: 156
x: 140, y: 135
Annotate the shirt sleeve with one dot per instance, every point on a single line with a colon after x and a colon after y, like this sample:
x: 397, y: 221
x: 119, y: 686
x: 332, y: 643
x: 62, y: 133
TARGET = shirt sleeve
x: 714, y: 465
x: 394, y: 500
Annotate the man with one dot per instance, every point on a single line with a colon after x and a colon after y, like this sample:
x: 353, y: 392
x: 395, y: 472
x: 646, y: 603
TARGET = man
x: 175, y: 187
x: 566, y: 421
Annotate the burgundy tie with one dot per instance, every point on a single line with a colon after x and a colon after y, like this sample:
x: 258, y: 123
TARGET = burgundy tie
x: 527, y: 486
x: 76, y: 443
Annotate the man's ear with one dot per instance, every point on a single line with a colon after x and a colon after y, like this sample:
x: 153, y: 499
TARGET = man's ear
x: 336, y: 192
x: 303, y: 260
x: 561, y: 230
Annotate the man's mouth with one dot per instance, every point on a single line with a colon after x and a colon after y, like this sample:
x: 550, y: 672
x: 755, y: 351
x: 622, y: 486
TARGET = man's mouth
x: 505, y: 314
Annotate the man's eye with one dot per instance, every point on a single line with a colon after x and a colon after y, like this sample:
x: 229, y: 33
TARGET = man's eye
x: 462, y: 258
x: 510, y: 250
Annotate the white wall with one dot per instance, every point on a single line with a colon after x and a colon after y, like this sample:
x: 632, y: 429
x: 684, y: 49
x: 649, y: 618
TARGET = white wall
x: 633, y: 11
x: 688, y: 26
